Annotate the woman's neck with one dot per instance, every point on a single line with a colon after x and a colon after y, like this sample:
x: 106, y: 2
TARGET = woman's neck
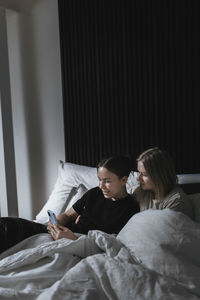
x: 122, y: 195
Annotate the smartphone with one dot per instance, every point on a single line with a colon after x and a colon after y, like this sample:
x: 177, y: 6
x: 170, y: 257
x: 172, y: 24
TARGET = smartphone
x: 52, y: 217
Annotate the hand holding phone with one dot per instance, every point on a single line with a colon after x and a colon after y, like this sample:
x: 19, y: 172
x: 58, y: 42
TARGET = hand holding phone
x: 52, y: 217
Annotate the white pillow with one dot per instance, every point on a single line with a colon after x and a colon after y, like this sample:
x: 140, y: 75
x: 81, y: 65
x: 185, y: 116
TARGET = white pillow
x: 165, y: 241
x: 62, y: 192
x: 75, y: 175
x: 70, y: 177
x: 195, y: 198
x: 80, y: 191
x: 132, y: 182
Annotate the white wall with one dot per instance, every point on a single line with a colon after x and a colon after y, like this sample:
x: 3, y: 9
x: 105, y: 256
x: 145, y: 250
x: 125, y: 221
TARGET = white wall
x: 8, y: 188
x: 36, y: 92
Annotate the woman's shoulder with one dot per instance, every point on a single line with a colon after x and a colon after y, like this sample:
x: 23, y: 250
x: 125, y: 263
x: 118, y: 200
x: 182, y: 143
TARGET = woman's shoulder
x: 94, y: 193
x: 176, y: 193
x: 178, y: 200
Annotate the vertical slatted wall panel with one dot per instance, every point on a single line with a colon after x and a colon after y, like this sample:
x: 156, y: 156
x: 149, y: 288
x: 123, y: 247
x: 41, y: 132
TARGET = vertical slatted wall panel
x: 131, y: 78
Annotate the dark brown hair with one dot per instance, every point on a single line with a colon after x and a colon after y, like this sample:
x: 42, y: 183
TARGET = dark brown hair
x: 119, y: 165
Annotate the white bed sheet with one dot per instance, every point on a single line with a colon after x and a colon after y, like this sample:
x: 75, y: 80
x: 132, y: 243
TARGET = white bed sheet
x: 100, y: 266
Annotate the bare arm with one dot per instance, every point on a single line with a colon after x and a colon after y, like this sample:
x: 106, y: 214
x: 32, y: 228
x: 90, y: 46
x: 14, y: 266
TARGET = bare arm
x: 67, y: 216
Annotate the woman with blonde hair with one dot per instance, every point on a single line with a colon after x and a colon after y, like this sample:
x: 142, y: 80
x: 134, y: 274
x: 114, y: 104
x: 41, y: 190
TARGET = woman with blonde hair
x: 159, y: 187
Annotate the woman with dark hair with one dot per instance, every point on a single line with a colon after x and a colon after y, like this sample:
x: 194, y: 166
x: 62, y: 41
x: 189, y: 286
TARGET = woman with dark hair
x: 107, y: 207
x: 158, y: 183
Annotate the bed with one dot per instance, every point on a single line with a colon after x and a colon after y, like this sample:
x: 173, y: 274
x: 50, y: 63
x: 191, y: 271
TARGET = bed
x: 155, y: 255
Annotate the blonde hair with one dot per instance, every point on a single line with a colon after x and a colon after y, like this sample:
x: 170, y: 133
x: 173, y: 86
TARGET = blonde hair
x: 160, y: 168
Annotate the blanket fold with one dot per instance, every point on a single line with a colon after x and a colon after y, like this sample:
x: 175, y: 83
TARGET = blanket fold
x: 150, y: 259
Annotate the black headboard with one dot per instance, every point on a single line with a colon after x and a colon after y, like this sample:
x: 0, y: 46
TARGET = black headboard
x: 130, y: 76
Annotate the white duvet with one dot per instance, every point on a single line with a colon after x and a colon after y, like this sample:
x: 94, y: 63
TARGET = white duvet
x: 155, y: 256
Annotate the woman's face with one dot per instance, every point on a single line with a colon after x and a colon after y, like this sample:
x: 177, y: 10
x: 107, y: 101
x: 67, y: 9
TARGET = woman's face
x: 145, y: 181
x: 111, y: 185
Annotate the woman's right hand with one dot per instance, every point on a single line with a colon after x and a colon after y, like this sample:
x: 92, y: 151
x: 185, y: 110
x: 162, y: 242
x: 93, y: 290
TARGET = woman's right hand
x: 58, y: 232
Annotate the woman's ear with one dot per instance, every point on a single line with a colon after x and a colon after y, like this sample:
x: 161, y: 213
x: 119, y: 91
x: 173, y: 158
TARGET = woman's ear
x: 124, y: 179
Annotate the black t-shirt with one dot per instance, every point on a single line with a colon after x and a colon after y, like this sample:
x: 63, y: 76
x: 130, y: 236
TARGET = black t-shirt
x: 100, y: 213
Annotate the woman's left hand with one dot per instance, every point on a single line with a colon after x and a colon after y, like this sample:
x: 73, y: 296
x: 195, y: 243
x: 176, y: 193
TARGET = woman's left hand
x: 58, y: 232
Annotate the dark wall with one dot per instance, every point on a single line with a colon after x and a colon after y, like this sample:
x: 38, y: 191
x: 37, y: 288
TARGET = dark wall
x: 131, y: 79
